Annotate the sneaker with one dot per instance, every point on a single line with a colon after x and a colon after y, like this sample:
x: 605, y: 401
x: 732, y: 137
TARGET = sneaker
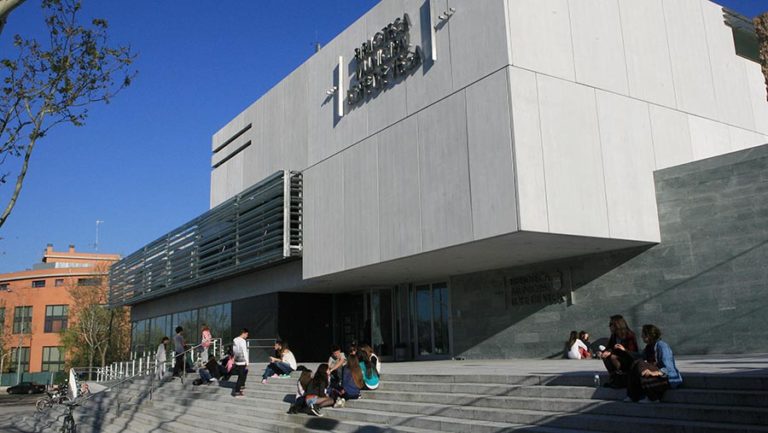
x: 239, y: 395
x: 646, y: 400
x: 275, y: 375
x: 339, y: 403
x: 263, y: 381
x: 286, y: 376
x: 315, y: 410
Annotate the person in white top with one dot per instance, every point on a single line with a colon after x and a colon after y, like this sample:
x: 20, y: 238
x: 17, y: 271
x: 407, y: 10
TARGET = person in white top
x: 285, y: 364
x: 335, y: 362
x: 576, y: 349
x: 160, y: 358
x: 240, y: 351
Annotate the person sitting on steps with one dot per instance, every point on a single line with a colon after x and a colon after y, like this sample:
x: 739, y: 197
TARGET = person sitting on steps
x: 299, y: 402
x: 285, y: 364
x: 650, y: 377
x: 575, y: 348
x: 620, y: 353
x: 316, y: 392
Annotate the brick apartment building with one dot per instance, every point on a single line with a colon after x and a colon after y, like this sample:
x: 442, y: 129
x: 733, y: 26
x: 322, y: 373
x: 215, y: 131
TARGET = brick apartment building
x: 34, y: 306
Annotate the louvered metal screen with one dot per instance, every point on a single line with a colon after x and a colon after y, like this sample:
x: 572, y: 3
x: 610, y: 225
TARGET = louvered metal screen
x: 256, y: 228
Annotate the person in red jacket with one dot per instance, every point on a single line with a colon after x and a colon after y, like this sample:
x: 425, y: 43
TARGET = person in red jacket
x: 620, y: 353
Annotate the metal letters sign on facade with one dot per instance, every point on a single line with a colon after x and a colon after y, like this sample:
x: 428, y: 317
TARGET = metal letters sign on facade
x: 537, y: 288
x: 383, y: 58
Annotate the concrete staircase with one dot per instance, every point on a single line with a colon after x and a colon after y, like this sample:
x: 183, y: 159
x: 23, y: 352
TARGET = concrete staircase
x: 421, y: 403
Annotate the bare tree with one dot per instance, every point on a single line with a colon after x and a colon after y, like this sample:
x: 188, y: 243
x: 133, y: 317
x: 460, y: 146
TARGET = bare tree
x: 96, y: 331
x: 53, y: 82
x: 5, y: 336
x: 761, y: 27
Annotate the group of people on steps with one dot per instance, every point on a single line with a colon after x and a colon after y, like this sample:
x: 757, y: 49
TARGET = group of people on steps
x: 646, y: 374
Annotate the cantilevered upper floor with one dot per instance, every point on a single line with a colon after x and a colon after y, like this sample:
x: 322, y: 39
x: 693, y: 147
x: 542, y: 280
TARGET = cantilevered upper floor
x: 443, y: 137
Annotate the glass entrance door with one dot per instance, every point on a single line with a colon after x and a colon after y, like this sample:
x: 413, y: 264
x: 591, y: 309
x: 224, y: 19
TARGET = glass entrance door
x: 431, y: 320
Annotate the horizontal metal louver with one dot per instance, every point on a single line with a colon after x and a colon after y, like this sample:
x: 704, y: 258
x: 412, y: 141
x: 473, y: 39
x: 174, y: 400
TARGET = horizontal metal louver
x: 256, y: 228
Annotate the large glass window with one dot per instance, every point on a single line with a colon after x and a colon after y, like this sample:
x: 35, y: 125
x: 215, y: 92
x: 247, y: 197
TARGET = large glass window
x: 56, y: 318
x: 22, y: 320
x: 2, y: 320
x: 432, y: 316
x: 15, y: 360
x: 146, y: 334
x: 53, y: 359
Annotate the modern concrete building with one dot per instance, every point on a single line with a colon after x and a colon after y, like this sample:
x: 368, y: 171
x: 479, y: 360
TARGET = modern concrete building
x: 34, y: 306
x: 478, y: 178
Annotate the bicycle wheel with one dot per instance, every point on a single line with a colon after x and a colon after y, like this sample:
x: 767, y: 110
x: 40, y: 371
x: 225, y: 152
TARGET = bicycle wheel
x: 69, y: 425
x: 43, y: 404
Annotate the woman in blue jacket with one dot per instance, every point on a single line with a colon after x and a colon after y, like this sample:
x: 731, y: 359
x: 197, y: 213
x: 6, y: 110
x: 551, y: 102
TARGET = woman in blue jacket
x: 656, y: 373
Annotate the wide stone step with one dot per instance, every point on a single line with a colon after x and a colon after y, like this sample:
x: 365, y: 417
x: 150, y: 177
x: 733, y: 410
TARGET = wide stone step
x: 615, y: 419
x: 389, y: 400
x: 335, y: 421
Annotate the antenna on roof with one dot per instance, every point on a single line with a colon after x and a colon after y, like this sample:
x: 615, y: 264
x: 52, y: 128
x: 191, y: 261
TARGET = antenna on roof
x: 317, y: 43
x: 96, y: 245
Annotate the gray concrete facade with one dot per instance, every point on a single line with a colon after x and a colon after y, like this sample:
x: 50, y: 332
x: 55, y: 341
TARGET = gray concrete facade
x: 705, y: 284
x: 558, y: 162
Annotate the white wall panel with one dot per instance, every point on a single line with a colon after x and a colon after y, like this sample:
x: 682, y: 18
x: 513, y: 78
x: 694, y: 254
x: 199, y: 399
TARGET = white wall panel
x: 218, y: 186
x: 433, y: 81
x: 324, y: 235
x: 399, y: 197
x: 572, y: 158
x: 330, y: 133
x: 729, y: 77
x: 270, y: 155
x: 758, y: 94
x: 254, y: 164
x: 743, y: 139
x: 234, y: 175
x: 671, y: 137
x: 625, y: 137
x: 540, y: 36
x: 598, y: 49
x: 295, y: 111
x: 647, y: 52
x: 691, y: 67
x: 446, y: 214
x: 478, y: 39
x: 361, y: 204
x: 708, y: 138
x: 529, y: 158
x: 491, y: 164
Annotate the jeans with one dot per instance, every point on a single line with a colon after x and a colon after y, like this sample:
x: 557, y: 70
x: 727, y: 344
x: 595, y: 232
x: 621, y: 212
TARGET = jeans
x: 277, y: 368
x: 178, y: 365
x: 205, y: 375
x: 242, y: 372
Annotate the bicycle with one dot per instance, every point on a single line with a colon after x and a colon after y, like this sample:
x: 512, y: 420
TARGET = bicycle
x: 68, y: 426
x: 47, y: 402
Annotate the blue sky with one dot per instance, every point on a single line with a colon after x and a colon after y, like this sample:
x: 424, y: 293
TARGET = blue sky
x: 142, y: 163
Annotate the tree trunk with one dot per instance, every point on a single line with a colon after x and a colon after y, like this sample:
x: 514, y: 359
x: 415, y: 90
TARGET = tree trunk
x: 19, y: 182
x: 6, y: 7
x: 91, y: 355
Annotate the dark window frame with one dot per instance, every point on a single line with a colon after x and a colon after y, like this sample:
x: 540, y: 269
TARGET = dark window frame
x: 52, y: 319
x: 36, y: 284
x: 14, y: 363
x: 52, y: 366
x: 22, y: 323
